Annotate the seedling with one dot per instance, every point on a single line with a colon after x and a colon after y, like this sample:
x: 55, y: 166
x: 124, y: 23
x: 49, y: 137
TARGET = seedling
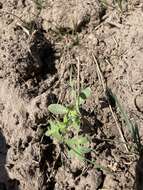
x: 65, y: 128
x: 133, y: 129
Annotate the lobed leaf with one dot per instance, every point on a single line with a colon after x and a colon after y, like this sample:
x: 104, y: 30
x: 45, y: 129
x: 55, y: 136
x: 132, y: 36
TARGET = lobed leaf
x: 58, y: 109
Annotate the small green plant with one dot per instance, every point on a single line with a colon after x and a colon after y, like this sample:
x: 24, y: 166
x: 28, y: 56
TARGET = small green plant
x: 133, y: 129
x: 65, y: 128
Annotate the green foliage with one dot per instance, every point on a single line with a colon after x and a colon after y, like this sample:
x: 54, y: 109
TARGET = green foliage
x: 70, y: 119
x: 84, y: 94
x: 77, y: 146
x: 56, y: 129
x: 133, y: 129
x: 58, y: 109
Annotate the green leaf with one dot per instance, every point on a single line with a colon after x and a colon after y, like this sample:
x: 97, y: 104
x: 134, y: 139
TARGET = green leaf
x: 84, y: 94
x: 85, y: 150
x: 78, y: 146
x: 56, y: 129
x: 82, y: 140
x: 74, y: 118
x: 76, y: 141
x: 54, y: 134
x: 58, y: 109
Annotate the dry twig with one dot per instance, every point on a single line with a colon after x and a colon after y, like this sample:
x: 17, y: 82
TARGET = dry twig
x: 101, y: 78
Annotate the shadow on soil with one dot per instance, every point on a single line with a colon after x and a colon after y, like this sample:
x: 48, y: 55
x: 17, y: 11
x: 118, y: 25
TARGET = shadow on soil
x: 5, y: 182
x: 139, y: 174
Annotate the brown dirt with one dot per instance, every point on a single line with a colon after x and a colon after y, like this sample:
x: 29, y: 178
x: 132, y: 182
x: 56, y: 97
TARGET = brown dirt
x: 34, y: 72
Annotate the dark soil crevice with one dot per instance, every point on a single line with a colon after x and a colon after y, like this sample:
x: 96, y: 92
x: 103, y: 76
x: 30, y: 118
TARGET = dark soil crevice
x: 5, y: 182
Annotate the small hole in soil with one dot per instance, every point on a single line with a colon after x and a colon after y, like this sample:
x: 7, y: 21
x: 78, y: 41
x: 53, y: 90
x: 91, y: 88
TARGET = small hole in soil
x: 26, y: 145
x: 29, y: 139
x: 8, y: 146
x: 51, y: 184
x: 46, y: 140
x: 44, y: 54
x: 1, y: 5
x: 73, y: 188
x: 10, y: 166
x: 77, y: 173
x: 39, y: 61
x: 47, y: 58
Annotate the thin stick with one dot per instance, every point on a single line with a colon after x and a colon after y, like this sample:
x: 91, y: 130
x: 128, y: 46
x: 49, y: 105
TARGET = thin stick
x: 5, y: 12
x: 101, y: 78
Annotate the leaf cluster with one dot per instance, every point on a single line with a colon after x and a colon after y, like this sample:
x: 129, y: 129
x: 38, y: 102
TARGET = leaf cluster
x: 65, y: 127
